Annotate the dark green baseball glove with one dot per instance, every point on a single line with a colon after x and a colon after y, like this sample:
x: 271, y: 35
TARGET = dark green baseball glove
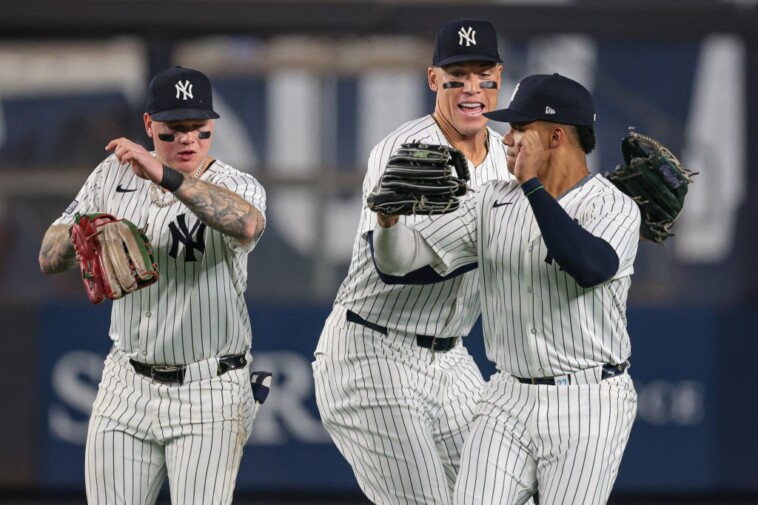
x: 656, y: 180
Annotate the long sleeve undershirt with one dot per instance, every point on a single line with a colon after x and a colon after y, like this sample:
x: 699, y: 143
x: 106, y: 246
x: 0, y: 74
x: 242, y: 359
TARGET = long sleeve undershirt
x: 590, y: 260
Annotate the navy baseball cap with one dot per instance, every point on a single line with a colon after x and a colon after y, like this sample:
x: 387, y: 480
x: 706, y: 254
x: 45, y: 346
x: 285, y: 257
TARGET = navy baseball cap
x: 180, y: 93
x: 544, y: 97
x: 465, y: 40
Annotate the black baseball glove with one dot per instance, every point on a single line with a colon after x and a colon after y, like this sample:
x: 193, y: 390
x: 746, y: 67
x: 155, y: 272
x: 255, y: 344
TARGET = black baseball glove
x: 421, y: 179
x: 656, y: 180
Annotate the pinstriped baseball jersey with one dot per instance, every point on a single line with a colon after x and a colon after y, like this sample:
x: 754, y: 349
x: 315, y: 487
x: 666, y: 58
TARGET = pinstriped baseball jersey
x: 143, y: 430
x: 197, y: 309
x: 538, y: 322
x: 442, y: 309
x: 399, y: 413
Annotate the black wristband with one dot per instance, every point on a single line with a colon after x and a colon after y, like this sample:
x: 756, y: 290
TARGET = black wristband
x: 172, y: 179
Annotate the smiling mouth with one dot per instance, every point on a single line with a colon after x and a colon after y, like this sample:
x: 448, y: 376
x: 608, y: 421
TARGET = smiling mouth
x: 474, y: 108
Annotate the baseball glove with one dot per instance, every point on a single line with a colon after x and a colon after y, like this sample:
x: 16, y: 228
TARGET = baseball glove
x: 115, y: 257
x: 656, y: 180
x: 421, y: 179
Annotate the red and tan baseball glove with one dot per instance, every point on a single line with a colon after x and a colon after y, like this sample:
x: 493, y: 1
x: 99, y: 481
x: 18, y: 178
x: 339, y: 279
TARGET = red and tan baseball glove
x: 114, y: 255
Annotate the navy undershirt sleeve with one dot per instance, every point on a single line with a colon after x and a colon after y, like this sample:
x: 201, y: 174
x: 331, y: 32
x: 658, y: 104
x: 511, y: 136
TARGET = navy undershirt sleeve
x: 424, y: 275
x: 590, y: 260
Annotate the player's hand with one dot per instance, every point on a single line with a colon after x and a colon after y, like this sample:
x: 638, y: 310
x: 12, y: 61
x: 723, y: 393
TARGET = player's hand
x: 386, y: 221
x: 142, y: 163
x: 530, y: 156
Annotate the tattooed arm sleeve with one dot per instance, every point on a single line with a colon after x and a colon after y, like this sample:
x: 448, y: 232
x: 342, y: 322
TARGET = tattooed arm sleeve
x: 222, y: 210
x: 57, y: 252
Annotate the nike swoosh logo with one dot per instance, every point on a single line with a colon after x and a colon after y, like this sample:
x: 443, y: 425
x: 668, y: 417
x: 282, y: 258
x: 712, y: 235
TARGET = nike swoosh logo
x: 500, y: 204
x: 120, y: 189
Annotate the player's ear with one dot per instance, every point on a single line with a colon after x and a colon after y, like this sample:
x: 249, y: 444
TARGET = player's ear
x: 148, y: 124
x: 499, y: 74
x: 432, y: 78
x: 557, y: 136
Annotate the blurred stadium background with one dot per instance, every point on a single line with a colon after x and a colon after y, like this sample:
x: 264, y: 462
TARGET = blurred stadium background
x: 305, y: 88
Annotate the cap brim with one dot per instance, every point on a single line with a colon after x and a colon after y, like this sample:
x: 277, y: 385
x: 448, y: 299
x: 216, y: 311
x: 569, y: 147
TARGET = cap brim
x: 510, y: 116
x: 462, y: 58
x: 183, y: 114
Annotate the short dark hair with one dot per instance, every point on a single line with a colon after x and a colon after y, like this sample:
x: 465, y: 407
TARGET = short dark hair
x: 586, y: 137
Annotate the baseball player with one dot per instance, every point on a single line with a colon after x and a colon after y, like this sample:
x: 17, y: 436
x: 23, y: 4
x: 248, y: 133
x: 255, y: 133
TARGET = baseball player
x: 395, y: 387
x: 555, y: 250
x: 175, y: 397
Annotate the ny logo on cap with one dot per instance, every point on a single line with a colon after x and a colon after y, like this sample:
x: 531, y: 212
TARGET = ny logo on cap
x: 549, y: 110
x: 515, y: 90
x: 468, y: 35
x: 185, y: 89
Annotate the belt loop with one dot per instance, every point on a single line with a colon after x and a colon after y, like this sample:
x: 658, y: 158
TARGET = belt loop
x: 222, y: 368
x: 352, y: 317
x: 226, y: 363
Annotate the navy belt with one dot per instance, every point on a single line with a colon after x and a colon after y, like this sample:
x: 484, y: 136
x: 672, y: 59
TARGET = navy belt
x: 174, y: 374
x: 433, y: 343
x: 607, y: 372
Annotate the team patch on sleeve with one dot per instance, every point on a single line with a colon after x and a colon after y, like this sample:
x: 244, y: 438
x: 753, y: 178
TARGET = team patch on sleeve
x: 72, y: 206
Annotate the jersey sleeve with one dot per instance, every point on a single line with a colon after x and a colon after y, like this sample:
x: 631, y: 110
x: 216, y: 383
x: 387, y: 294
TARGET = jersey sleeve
x: 615, y: 218
x: 252, y: 191
x: 452, y: 236
x: 89, y: 200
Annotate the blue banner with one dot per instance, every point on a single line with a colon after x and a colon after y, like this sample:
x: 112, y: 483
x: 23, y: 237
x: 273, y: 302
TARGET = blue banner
x: 674, y: 366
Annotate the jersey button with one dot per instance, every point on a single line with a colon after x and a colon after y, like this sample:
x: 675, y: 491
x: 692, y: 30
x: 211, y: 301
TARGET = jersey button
x: 148, y: 314
x: 533, y: 330
x: 530, y: 289
x: 144, y: 353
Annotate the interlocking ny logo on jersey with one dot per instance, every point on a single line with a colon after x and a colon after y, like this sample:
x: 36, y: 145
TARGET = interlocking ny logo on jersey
x: 193, y: 239
x: 467, y: 35
x: 184, y: 89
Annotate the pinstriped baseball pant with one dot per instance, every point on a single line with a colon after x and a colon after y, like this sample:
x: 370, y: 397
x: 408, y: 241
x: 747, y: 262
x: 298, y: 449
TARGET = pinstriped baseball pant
x: 396, y: 415
x: 141, y: 431
x: 564, y: 441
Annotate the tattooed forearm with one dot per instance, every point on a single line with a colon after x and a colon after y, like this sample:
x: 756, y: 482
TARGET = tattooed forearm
x: 222, y: 210
x: 57, y: 252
